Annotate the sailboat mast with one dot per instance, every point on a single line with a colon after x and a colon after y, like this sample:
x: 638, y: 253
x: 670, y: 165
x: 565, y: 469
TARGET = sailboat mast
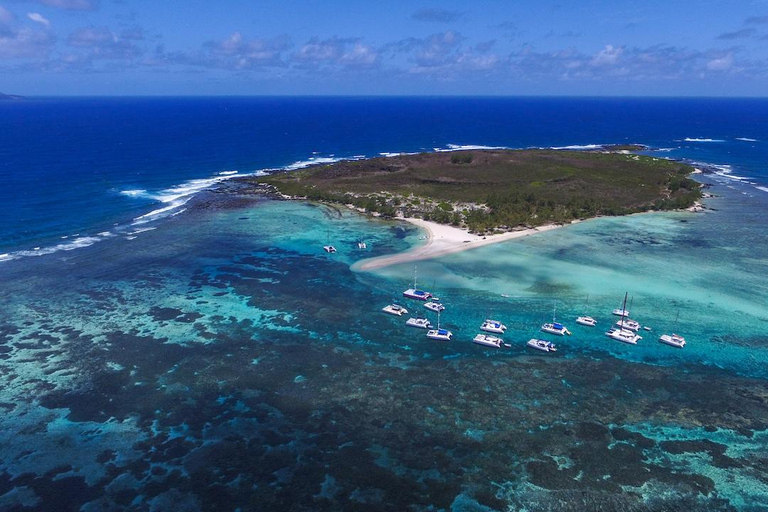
x: 623, y: 310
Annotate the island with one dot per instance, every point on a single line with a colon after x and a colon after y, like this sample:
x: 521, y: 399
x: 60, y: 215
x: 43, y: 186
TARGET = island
x: 471, y: 198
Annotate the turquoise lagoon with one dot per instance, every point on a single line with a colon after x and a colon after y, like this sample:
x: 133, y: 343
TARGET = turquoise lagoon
x: 223, y: 361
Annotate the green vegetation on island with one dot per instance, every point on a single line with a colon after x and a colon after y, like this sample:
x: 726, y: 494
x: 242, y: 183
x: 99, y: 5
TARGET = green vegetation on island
x: 497, y: 190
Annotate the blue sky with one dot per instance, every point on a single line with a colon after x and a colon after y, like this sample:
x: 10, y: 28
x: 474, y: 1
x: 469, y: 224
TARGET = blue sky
x: 234, y: 47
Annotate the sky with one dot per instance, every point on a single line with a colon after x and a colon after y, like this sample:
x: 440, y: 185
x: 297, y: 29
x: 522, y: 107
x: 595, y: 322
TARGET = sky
x: 364, y: 47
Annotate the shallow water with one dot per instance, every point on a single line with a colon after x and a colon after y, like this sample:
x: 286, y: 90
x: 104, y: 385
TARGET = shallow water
x: 223, y: 360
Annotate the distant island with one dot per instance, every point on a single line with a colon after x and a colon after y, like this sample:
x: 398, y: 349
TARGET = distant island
x: 494, y: 191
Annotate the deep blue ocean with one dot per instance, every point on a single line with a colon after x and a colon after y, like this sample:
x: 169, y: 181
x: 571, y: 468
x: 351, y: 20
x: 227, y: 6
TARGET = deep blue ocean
x: 171, y: 341
x: 78, y: 167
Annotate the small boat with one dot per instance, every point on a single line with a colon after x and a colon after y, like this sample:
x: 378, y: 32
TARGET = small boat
x: 646, y: 328
x: 622, y: 311
x: 415, y: 293
x: 329, y: 248
x: 362, y: 245
x: 394, y: 309
x: 493, y: 326
x: 624, y: 335
x: 543, y: 345
x: 554, y: 327
x: 439, y: 334
x: 586, y: 320
x: 626, y: 323
x: 675, y: 339
x: 490, y: 341
x: 434, y: 306
x: 420, y: 323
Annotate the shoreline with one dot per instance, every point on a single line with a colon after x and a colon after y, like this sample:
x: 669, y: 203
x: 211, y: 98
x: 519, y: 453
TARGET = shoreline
x: 442, y: 240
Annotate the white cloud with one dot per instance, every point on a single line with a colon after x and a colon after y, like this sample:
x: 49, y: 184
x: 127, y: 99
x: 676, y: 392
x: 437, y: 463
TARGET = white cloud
x: 721, y: 64
x: 608, y: 56
x: 39, y: 18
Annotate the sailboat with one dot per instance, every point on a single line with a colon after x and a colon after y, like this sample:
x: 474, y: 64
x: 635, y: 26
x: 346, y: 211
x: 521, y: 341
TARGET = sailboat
x: 415, y: 293
x: 620, y: 333
x: 329, y: 248
x: 554, y: 327
x: 586, y: 320
x: 674, y: 339
x: 623, y: 310
x: 439, y: 334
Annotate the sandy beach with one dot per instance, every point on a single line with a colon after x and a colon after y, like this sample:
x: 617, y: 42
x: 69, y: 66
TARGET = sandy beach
x: 442, y: 240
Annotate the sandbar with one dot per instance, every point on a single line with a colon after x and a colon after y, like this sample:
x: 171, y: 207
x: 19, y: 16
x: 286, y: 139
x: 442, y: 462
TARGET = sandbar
x: 440, y: 240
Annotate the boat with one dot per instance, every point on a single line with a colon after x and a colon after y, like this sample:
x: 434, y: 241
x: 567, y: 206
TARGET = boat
x: 434, y: 306
x: 620, y: 333
x: 622, y: 311
x: 554, y: 327
x: 415, y: 293
x: 362, y: 245
x: 586, y: 320
x: 395, y: 309
x: 490, y: 341
x: 543, y: 345
x: 674, y: 339
x: 624, y: 335
x: 439, y: 334
x: 493, y: 326
x: 329, y: 248
x: 646, y: 328
x: 626, y: 323
x: 420, y: 323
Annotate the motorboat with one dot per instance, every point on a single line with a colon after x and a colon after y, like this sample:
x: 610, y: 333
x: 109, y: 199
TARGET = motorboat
x: 395, y: 309
x: 626, y: 323
x: 362, y: 245
x: 434, y: 306
x: 624, y: 335
x: 674, y: 339
x: 493, y: 326
x: 420, y: 323
x: 543, y: 345
x: 586, y: 320
x: 489, y: 341
x: 440, y: 334
x: 329, y: 248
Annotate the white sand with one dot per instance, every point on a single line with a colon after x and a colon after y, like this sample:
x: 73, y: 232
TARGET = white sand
x: 442, y: 240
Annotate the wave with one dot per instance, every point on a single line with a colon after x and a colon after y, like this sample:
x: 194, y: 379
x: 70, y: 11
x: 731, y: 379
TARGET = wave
x: 746, y: 139
x: 580, y: 147
x: 301, y: 164
x: 77, y: 243
x: 694, y: 139
x: 458, y: 147
x: 227, y: 173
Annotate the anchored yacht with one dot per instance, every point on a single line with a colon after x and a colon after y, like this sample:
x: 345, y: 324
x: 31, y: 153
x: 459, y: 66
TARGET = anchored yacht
x: 543, y: 345
x: 421, y: 323
x: 586, y: 320
x: 489, y: 341
x: 394, y: 309
x: 493, y: 326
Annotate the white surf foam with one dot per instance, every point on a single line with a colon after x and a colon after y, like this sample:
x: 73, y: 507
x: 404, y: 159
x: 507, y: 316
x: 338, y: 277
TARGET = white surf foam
x: 696, y: 139
x: 465, y: 147
x: 746, y: 139
x: 764, y: 189
x: 227, y: 173
x: 581, y: 147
